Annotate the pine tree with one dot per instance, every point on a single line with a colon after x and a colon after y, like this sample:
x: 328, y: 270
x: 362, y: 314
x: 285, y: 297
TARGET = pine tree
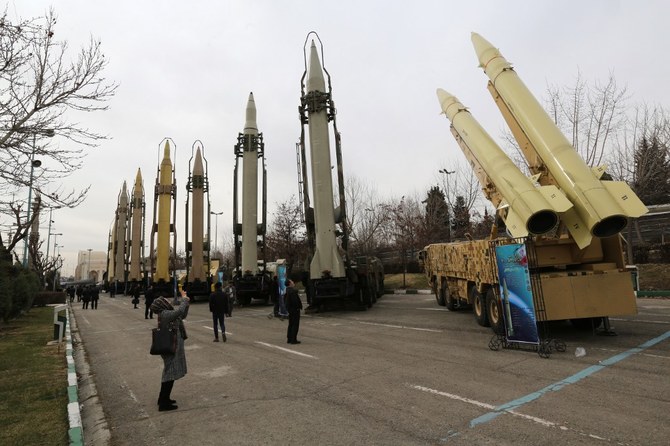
x: 461, y: 222
x: 437, y: 217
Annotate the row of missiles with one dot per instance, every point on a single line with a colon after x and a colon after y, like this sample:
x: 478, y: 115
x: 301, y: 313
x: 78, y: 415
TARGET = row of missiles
x: 562, y: 187
x: 126, y: 239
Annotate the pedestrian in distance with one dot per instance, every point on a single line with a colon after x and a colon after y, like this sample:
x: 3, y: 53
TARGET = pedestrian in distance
x: 218, y: 306
x: 274, y: 292
x: 229, y: 291
x: 95, y: 297
x: 294, y: 306
x: 174, y: 365
x: 85, y: 297
x: 136, y: 296
x: 79, y: 292
x: 148, y: 300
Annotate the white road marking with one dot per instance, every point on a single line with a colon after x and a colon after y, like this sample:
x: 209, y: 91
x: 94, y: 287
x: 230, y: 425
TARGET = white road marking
x: 537, y: 420
x: 286, y: 350
x: 212, y: 329
x: 639, y: 320
x: 432, y: 309
x: 85, y: 320
x: 401, y: 326
x: 641, y: 354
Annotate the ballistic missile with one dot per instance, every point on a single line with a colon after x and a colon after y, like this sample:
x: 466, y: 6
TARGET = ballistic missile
x: 601, y: 208
x: 164, y: 190
x: 526, y: 209
x: 197, y: 219
x: 250, y: 190
x: 121, y: 225
x: 136, y: 226
x: 326, y: 255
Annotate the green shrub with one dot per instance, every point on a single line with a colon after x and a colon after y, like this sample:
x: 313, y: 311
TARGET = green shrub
x: 44, y: 298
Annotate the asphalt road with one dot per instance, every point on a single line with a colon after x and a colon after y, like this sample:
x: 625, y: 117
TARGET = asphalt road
x: 405, y: 372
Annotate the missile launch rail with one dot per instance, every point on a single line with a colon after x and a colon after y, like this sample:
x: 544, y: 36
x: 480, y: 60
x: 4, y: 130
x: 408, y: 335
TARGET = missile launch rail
x: 331, y: 276
x: 578, y: 270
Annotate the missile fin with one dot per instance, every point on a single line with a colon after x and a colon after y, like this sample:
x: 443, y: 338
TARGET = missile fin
x: 577, y: 228
x: 516, y: 226
x: 556, y: 198
x: 626, y: 198
x: 598, y: 171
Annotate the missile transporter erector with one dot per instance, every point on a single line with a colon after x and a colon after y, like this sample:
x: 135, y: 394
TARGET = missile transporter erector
x: 565, y: 216
x: 198, y: 280
x: 251, y: 278
x: 331, y: 276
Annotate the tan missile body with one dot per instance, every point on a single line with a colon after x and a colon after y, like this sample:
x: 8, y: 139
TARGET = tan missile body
x: 197, y: 270
x: 250, y: 192
x: 326, y: 255
x: 164, y: 191
x: 526, y: 209
x: 601, y: 208
x: 136, y: 229
x: 121, y: 225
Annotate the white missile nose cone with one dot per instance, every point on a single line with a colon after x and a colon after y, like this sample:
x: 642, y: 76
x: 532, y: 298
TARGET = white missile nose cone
x: 484, y: 49
x: 447, y: 101
x: 250, y: 125
x: 315, y: 80
x: 166, y: 150
x: 197, y: 163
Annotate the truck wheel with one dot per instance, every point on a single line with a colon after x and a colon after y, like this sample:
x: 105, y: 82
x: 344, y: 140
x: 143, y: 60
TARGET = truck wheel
x: 440, y: 296
x: 494, y: 312
x: 479, y: 307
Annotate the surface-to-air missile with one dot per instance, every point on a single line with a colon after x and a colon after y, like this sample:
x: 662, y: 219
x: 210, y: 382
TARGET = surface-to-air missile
x: 251, y: 280
x: 137, y: 213
x: 197, y: 247
x: 332, y: 275
x: 601, y: 208
x: 165, y: 195
x: 525, y: 208
x: 118, y: 277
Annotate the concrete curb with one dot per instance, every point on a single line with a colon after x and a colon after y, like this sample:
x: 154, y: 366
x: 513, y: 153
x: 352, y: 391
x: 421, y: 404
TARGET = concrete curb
x: 75, y: 432
x: 407, y: 291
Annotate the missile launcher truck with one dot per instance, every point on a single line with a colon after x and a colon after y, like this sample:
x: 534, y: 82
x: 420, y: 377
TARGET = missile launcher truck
x: 332, y: 276
x: 569, y: 221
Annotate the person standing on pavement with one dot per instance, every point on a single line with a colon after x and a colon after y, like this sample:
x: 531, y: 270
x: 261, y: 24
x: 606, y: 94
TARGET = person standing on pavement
x: 85, y: 297
x: 136, y: 296
x: 95, y: 296
x: 174, y: 366
x: 293, y: 305
x: 218, y: 305
x: 148, y: 300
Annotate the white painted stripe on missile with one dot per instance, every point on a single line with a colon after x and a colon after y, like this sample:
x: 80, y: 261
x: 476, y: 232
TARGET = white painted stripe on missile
x: 286, y: 350
x: 73, y: 414
x: 401, y: 326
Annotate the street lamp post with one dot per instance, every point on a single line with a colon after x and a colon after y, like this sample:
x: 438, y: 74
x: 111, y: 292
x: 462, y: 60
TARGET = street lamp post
x: 33, y: 163
x: 216, y: 229
x: 49, y: 234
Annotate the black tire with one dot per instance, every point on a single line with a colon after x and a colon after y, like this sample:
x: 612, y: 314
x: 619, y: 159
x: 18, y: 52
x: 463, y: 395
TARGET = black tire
x: 439, y: 295
x: 479, y: 307
x: 494, y: 312
x: 587, y: 323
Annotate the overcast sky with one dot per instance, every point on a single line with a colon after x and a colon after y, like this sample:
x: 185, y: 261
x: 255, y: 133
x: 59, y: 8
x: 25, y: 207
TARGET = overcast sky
x: 185, y: 69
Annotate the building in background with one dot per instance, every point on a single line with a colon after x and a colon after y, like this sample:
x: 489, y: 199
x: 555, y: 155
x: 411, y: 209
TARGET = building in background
x: 91, y: 265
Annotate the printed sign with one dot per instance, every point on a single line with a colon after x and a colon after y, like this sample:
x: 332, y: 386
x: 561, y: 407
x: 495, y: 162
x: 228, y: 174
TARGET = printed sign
x: 518, y: 310
x: 281, y: 277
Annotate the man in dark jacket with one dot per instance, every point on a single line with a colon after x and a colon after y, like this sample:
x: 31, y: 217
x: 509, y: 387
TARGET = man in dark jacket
x: 218, y: 305
x: 293, y: 305
x: 149, y: 297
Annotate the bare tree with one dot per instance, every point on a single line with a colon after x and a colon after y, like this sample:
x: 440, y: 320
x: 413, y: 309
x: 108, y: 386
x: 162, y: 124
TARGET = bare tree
x: 459, y: 180
x: 41, y: 84
x: 286, y: 237
x: 366, y: 214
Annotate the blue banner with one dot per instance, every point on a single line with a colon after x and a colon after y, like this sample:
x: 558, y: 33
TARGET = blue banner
x: 281, y: 277
x: 516, y: 294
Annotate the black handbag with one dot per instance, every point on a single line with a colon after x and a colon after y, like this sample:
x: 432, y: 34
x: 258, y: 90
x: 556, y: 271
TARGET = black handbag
x: 163, y: 342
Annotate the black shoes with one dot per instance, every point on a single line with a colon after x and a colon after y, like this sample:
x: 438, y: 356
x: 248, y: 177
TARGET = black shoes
x: 293, y: 342
x: 166, y: 407
x: 223, y: 336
